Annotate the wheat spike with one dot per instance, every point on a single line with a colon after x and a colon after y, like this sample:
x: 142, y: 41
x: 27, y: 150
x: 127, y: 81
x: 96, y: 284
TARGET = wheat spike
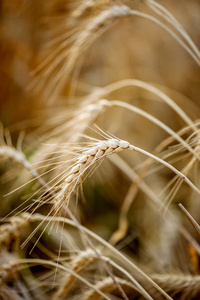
x: 10, y: 231
x: 6, y: 270
x: 106, y: 285
x: 81, y: 261
x: 183, y: 286
x: 89, y: 157
x: 9, y: 152
x: 8, y: 267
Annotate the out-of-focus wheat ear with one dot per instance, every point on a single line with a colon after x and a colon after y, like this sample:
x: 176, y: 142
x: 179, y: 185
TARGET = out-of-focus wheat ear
x: 86, y: 8
x: 95, y: 26
x: 11, y: 231
x: 81, y: 261
x: 183, y: 286
x: 8, y: 152
x: 8, y: 268
x: 107, y: 286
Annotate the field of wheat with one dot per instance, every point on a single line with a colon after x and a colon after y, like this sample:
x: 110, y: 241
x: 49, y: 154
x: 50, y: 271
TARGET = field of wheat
x: 100, y: 150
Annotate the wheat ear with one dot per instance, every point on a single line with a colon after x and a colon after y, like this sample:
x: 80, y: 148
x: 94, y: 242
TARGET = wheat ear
x: 106, y: 285
x: 8, y: 269
x: 5, y: 272
x: 9, y: 152
x: 89, y: 157
x: 178, y: 285
x: 12, y: 230
x: 81, y: 261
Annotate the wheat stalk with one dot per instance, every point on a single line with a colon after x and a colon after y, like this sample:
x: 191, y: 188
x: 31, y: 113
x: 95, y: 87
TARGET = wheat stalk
x: 155, y: 91
x: 85, y: 8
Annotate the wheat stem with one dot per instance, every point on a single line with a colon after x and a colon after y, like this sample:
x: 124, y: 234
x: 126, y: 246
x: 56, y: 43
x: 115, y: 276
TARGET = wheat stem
x: 154, y: 120
x: 144, y: 85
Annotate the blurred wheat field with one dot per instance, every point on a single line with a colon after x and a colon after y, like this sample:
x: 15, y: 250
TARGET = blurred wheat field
x: 99, y: 146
